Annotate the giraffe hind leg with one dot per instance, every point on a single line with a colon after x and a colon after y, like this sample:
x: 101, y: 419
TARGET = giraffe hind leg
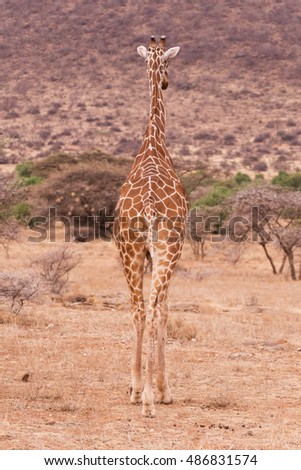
x: 164, y: 393
x: 165, y: 260
x: 133, y: 266
x: 156, y: 322
x: 148, y: 408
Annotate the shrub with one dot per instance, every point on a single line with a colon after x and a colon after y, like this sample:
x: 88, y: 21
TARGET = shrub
x: 242, y: 178
x: 260, y: 166
x: 21, y: 211
x: 9, y: 232
x: 48, y: 274
x: 205, y: 136
x: 191, y: 180
x: 285, y: 136
x: 25, y: 172
x: 10, y: 196
x: 262, y: 137
x: 54, y: 268
x: 178, y: 328
x: 18, y: 288
x: 285, y: 179
x: 31, y: 180
x: 291, y: 123
x: 229, y: 139
x: 215, y: 196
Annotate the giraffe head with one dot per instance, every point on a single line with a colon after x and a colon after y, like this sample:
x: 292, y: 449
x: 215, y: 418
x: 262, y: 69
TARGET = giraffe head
x: 157, y: 59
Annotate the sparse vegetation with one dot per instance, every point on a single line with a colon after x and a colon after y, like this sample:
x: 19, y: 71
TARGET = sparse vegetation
x: 19, y: 288
x: 9, y: 232
x: 216, y: 195
x: 271, y: 215
x: 242, y: 179
x: 288, y: 180
x: 22, y: 211
x: 220, y: 190
x: 179, y: 328
x: 260, y: 166
x: 48, y: 275
x: 193, y: 179
x: 54, y: 268
x: 25, y: 173
x: 212, y: 97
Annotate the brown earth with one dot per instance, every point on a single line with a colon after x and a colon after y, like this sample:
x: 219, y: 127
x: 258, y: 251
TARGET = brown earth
x: 233, y: 355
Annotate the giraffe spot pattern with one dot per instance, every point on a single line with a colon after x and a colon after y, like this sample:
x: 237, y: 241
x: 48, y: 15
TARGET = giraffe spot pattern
x: 150, y: 217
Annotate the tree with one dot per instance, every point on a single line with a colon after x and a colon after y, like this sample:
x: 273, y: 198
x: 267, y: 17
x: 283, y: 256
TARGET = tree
x: 289, y: 239
x: 269, y: 215
x: 10, y: 194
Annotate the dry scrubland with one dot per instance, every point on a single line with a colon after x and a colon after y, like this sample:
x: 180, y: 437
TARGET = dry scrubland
x: 71, y: 79
x: 233, y: 358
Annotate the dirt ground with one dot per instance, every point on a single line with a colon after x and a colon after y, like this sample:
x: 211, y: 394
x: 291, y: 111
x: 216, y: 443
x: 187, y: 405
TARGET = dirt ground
x: 233, y: 356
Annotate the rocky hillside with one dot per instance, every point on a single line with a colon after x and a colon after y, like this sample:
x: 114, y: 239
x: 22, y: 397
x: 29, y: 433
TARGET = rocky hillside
x: 71, y: 79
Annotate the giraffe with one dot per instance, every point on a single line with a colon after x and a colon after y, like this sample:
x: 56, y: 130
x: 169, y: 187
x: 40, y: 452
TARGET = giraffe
x: 150, y: 222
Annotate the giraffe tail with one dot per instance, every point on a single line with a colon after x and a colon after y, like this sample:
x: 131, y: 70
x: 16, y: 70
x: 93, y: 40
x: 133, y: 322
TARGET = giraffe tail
x: 150, y: 214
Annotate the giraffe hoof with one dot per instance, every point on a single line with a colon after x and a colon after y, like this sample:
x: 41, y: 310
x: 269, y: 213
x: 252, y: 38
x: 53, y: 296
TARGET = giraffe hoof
x: 165, y: 397
x: 166, y: 400
x: 136, y: 397
x: 148, y: 411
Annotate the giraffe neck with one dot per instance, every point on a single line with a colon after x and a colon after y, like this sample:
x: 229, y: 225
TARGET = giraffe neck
x: 157, y: 118
x: 153, y: 151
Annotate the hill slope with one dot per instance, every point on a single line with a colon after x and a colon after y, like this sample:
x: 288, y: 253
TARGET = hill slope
x: 72, y: 80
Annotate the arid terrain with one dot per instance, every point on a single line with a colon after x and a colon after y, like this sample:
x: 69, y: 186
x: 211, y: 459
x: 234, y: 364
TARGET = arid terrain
x: 73, y: 107
x: 233, y: 353
x: 72, y: 81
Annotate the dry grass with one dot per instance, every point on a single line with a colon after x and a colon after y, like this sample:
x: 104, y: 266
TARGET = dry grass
x: 179, y: 328
x: 233, y: 360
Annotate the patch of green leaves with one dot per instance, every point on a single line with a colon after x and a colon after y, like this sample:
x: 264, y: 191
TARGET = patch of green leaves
x: 25, y: 174
x: 288, y: 180
x: 21, y: 211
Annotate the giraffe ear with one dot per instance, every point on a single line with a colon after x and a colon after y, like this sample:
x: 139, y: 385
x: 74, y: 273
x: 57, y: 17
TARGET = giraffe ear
x: 172, y: 52
x: 142, y: 51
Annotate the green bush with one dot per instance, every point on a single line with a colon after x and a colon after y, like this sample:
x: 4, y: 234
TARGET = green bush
x: 24, y: 170
x: 32, y: 180
x: 242, y: 178
x: 21, y: 211
x: 215, y: 196
x: 288, y: 180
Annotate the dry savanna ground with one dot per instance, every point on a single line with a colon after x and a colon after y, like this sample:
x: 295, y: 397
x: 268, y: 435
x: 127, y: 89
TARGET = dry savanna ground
x: 233, y: 355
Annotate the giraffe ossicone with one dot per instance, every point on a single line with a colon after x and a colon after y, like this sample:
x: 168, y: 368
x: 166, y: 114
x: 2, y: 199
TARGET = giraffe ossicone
x: 150, y: 221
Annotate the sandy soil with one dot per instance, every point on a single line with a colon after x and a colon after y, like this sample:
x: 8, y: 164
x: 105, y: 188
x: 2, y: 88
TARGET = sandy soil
x: 233, y: 354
